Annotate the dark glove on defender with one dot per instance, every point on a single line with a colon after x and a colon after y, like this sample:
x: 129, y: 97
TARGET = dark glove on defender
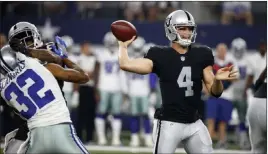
x: 17, y: 45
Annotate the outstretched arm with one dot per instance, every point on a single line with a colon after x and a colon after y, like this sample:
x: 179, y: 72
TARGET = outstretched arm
x: 214, y: 86
x: 44, y: 55
x: 41, y: 54
x: 139, y: 65
x: 71, y: 65
x: 213, y: 82
x: 69, y: 75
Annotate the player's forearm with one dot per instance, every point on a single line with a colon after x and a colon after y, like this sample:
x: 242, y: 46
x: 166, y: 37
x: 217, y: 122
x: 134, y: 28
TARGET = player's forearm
x: 123, y: 58
x: 216, y: 88
x: 74, y: 76
x: 139, y: 65
x: 72, y: 65
x: 44, y: 55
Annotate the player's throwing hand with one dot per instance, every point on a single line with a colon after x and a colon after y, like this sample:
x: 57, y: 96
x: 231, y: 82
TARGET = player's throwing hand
x: 127, y: 43
x: 227, y: 73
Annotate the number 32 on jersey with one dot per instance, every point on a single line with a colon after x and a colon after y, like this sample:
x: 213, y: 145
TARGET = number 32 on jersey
x: 28, y: 105
x: 186, y: 73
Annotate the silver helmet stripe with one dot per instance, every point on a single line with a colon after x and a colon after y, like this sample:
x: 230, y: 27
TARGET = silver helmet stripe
x: 4, y: 65
x: 8, y: 61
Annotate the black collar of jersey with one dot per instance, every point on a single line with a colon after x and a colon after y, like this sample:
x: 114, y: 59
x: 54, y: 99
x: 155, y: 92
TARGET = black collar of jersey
x: 182, y: 54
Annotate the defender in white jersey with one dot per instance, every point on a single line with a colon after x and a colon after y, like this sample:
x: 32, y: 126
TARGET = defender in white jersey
x: 138, y: 92
x: 25, y: 35
x: 33, y: 91
x: 111, y: 84
x: 239, y: 51
x: 257, y: 103
x: 256, y: 64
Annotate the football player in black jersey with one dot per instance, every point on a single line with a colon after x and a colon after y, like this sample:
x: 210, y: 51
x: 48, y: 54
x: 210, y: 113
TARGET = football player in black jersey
x: 27, y: 38
x: 257, y: 111
x: 181, y: 69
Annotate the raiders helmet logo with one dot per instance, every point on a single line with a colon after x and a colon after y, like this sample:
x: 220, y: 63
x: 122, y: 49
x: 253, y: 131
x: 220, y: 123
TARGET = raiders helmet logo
x: 168, y: 21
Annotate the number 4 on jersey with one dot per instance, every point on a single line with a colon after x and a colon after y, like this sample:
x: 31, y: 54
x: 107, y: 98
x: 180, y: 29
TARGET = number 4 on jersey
x: 188, y: 83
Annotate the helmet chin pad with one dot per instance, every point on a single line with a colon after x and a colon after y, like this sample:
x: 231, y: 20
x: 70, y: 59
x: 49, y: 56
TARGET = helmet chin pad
x: 183, y: 42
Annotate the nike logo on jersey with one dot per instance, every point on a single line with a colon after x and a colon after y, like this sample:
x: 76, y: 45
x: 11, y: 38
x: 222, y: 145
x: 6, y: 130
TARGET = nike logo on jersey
x: 182, y: 58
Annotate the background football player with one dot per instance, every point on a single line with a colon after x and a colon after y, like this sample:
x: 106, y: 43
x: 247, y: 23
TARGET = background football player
x: 138, y: 91
x: 256, y: 64
x: 111, y: 83
x: 239, y: 51
x: 257, y: 115
x: 257, y: 102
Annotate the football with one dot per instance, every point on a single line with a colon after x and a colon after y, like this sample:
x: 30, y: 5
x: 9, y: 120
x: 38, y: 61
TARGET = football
x: 123, y: 30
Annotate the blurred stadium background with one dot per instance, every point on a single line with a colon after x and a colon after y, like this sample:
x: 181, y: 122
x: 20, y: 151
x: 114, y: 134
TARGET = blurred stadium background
x: 217, y: 22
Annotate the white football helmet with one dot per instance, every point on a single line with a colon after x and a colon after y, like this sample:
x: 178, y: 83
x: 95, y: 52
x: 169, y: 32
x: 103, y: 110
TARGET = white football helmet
x: 147, y: 46
x: 238, y: 47
x: 177, y: 19
x: 68, y: 40
x: 110, y: 42
x: 26, y: 32
x: 137, y: 47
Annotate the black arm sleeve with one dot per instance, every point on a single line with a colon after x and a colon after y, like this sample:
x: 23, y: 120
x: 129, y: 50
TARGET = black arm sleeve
x: 153, y: 54
x: 209, y: 58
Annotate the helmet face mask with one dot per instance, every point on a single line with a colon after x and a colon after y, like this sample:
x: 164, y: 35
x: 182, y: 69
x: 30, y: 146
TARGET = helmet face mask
x: 239, y: 47
x: 110, y: 42
x: 176, y: 20
x: 239, y: 53
x: 137, y: 46
x: 27, y: 33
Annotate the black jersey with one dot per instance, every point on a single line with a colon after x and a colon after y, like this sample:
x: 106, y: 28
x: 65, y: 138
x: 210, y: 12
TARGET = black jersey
x: 180, y: 78
x: 261, y: 90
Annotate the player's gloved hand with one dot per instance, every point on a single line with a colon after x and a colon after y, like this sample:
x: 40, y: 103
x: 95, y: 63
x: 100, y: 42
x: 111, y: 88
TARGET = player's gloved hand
x: 61, y: 47
x: 17, y: 45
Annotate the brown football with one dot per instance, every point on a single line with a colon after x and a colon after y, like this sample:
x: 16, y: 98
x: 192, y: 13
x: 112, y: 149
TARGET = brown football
x: 123, y: 30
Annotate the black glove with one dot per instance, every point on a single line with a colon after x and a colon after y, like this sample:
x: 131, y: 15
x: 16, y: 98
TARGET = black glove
x: 17, y: 45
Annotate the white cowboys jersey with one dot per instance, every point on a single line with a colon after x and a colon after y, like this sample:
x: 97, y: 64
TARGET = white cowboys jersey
x: 256, y: 64
x: 138, y: 85
x: 239, y: 86
x: 111, y: 78
x: 34, y: 92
